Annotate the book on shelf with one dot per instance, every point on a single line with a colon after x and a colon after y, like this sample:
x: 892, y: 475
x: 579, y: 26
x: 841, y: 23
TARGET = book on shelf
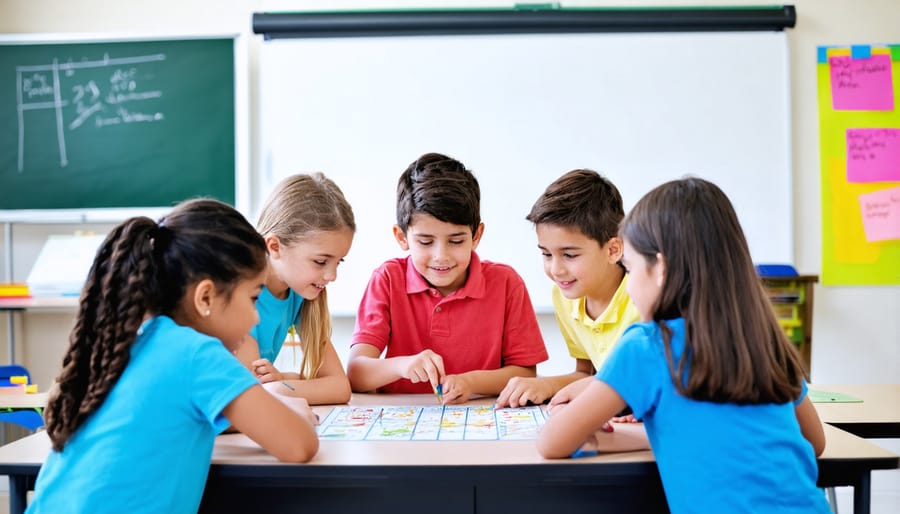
x: 14, y: 290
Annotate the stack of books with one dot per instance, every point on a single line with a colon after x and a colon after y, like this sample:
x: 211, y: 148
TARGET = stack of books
x: 14, y: 290
x: 63, y: 264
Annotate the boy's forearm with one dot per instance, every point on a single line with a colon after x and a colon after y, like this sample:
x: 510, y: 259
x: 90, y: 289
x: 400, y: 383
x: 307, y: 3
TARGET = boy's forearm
x: 367, y: 374
x: 493, y: 381
x: 558, y: 382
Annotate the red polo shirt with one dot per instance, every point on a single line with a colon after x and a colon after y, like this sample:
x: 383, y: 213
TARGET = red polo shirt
x: 486, y: 324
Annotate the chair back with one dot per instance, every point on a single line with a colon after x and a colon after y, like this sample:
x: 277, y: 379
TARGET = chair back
x: 12, y: 370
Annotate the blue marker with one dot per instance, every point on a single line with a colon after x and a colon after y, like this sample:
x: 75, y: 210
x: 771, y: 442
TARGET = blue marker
x: 583, y: 453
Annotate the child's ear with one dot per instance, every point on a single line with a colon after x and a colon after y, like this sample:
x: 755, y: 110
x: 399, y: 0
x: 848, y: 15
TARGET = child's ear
x: 400, y: 236
x: 476, y: 237
x: 659, y: 270
x: 273, y: 245
x: 204, y: 293
x: 615, y: 248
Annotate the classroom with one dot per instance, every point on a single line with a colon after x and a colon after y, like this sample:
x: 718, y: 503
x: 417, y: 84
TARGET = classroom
x: 856, y: 334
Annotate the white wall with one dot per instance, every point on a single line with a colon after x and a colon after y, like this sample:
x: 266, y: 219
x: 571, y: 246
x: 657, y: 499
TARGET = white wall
x: 856, y: 334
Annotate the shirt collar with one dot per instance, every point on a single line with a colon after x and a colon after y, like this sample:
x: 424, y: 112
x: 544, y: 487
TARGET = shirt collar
x: 613, y: 312
x: 474, y: 286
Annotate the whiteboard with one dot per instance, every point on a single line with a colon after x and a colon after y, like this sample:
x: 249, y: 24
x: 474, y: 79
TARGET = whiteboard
x: 521, y: 110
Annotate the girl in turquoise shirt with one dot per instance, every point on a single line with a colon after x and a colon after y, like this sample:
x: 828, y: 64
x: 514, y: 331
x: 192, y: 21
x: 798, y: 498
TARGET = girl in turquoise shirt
x: 149, y: 378
x: 709, y: 370
x: 308, y: 227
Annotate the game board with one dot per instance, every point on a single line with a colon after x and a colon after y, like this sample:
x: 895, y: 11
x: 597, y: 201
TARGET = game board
x: 435, y: 423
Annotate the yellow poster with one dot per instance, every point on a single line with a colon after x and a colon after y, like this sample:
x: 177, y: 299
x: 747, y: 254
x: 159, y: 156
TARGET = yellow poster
x: 859, y: 139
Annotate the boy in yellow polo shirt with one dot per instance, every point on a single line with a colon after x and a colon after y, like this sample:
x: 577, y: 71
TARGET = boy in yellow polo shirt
x: 577, y: 221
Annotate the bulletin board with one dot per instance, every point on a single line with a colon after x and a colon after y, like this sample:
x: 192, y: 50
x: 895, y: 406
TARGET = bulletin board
x: 859, y: 135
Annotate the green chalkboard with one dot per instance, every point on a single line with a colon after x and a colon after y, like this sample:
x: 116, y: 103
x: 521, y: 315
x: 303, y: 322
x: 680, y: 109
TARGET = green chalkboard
x: 120, y: 124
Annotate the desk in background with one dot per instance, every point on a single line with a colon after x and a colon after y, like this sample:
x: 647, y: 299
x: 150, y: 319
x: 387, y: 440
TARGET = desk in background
x: 878, y: 415
x: 443, y: 476
x: 12, y: 306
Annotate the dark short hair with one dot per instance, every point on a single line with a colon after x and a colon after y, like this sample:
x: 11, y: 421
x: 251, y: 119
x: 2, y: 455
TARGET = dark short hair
x: 439, y: 186
x: 582, y: 199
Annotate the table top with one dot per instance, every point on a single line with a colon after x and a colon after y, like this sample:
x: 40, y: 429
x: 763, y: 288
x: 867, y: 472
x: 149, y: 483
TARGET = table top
x: 24, y: 400
x: 239, y: 450
x: 50, y: 303
x: 881, y: 403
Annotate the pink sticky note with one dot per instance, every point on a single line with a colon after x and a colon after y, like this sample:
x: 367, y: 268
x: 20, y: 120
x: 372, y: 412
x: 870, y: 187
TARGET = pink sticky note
x: 881, y: 214
x: 861, y: 84
x: 873, y: 155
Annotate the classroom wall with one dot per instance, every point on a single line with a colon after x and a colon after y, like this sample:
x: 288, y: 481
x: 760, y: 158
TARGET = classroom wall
x: 856, y: 334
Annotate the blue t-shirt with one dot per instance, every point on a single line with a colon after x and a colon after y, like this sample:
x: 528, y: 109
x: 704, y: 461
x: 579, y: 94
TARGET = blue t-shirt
x: 713, y: 457
x: 275, y: 318
x: 148, y: 447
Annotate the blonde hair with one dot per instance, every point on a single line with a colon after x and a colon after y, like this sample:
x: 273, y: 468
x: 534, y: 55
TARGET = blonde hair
x: 299, y: 206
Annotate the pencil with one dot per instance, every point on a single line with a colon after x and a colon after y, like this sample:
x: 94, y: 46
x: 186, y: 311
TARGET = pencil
x: 439, y: 392
x: 285, y: 384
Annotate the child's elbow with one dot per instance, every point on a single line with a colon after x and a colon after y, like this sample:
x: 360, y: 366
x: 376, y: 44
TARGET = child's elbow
x: 819, y: 446
x: 299, y: 453
x: 549, y: 450
x: 342, y: 392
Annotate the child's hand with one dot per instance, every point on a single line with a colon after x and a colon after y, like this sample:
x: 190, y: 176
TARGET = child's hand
x: 521, y: 390
x: 568, y: 393
x: 426, y: 366
x: 265, y: 372
x: 299, y: 405
x: 457, y: 389
x: 628, y: 418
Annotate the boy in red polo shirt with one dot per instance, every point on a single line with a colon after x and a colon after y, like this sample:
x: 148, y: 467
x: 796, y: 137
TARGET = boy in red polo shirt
x: 441, y: 315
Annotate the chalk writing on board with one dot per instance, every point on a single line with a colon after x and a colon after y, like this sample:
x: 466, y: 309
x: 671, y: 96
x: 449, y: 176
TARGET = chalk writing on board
x: 89, y: 93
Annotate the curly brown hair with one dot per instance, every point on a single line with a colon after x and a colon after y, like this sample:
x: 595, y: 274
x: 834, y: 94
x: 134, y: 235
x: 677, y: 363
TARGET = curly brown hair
x: 143, y: 268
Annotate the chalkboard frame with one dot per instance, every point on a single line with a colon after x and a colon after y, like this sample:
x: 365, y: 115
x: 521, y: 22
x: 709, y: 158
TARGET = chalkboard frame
x: 242, y: 179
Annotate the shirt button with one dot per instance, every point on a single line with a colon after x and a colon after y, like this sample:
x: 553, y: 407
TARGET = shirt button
x: 437, y: 309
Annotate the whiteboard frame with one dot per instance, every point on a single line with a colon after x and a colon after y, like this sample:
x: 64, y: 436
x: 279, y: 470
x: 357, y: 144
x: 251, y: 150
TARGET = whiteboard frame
x: 118, y: 214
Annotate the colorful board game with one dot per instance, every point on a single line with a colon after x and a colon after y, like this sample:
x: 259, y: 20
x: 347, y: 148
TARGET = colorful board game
x: 435, y: 423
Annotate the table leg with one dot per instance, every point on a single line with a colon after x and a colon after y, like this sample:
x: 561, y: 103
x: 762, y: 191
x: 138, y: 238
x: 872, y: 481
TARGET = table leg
x: 18, y: 493
x: 862, y: 494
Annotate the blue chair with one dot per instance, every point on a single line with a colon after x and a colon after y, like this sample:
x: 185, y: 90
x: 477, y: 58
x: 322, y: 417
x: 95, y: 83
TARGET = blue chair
x: 31, y: 419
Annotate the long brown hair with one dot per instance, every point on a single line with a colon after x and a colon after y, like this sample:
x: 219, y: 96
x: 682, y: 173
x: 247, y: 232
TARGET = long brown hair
x: 144, y: 268
x: 734, y: 347
x: 299, y: 206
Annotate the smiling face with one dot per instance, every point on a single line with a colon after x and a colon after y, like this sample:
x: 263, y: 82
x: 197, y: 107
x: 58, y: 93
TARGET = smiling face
x: 645, y: 280
x: 440, y: 251
x: 308, y: 265
x: 578, y: 264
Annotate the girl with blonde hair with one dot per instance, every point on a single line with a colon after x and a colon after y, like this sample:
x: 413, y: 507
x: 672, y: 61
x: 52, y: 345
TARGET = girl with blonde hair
x: 308, y: 227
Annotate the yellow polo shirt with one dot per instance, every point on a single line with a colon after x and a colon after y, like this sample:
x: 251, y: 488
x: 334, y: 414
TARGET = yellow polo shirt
x: 591, y: 339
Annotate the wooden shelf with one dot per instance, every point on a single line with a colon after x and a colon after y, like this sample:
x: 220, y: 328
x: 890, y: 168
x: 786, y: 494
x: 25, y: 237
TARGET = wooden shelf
x: 792, y: 298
